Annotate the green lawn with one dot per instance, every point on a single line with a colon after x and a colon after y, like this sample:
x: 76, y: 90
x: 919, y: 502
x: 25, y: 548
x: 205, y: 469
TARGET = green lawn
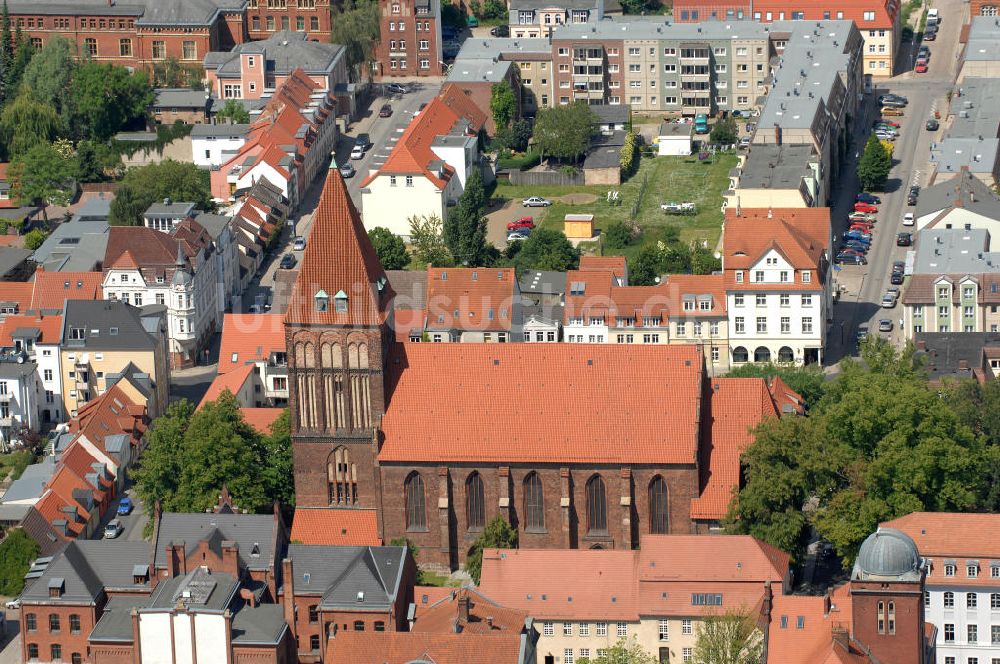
x: 670, y: 179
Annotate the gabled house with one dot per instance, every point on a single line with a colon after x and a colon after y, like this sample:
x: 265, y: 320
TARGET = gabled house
x: 257, y: 341
x: 776, y: 266
x: 426, y: 171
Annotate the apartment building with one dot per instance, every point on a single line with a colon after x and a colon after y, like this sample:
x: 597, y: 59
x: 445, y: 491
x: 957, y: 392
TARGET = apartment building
x: 103, y: 339
x: 776, y: 274
x: 257, y: 341
x: 532, y: 63
x: 652, y: 66
x: 411, y: 39
x: 585, y: 601
x: 878, y: 21
x: 146, y: 32
x: 962, y: 587
x: 539, y: 18
x: 981, y: 58
x: 778, y: 176
x: 954, y: 285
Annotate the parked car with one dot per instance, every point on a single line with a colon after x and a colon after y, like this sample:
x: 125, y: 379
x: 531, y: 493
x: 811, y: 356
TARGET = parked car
x: 894, y: 102
x: 861, y: 216
x: 932, y: 124
x: 855, y: 246
x: 397, y: 88
x: 862, y: 333
x: 893, y: 97
x: 865, y: 207
x: 920, y: 67
x: 288, y: 261
x: 888, y: 300
x: 744, y: 142
x: 899, y: 266
x: 913, y: 195
x: 924, y: 52
x: 897, y: 278
x: 888, y: 123
x: 13, y: 604
x: 385, y: 111
x: 884, y: 135
x: 858, y: 235
x: 865, y: 197
x: 884, y: 325
x: 113, y: 529
x: 930, y: 33
x: 908, y: 219
x: 299, y: 243
x: 347, y: 170
x: 125, y: 506
x: 536, y: 201
x: 500, y: 31
x: 357, y: 152
x: 517, y: 235
x: 884, y: 127
x: 363, y: 140
x: 904, y: 239
x: 892, y: 112
x: 845, y: 258
x: 523, y: 222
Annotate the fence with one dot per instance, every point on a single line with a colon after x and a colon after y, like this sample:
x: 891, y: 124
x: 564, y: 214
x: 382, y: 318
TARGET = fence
x: 634, y: 211
x: 550, y: 178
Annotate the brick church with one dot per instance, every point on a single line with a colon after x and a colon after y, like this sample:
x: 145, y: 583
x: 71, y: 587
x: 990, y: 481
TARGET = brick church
x: 577, y: 446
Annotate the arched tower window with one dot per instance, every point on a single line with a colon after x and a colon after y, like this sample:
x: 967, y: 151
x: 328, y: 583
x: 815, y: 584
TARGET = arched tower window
x: 659, y: 517
x: 597, y: 506
x: 534, y: 503
x: 342, y: 478
x: 416, y: 512
x: 475, y: 502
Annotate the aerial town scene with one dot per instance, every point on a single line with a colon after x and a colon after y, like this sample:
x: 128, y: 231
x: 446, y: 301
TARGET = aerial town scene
x: 500, y: 331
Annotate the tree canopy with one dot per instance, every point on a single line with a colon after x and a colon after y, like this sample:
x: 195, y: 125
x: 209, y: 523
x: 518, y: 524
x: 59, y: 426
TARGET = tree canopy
x: 25, y: 123
x: 622, y: 652
x: 427, y: 242
x: 48, y: 75
x: 143, y: 186
x: 564, y: 131
x: 731, y: 637
x: 355, y: 26
x: 547, y: 249
x: 17, y: 552
x: 498, y: 534
x: 389, y: 248
x: 191, y: 455
x: 43, y: 175
x: 878, y: 444
x: 106, y: 98
x: 465, y: 229
x: 503, y: 105
x: 234, y: 112
x: 874, y: 165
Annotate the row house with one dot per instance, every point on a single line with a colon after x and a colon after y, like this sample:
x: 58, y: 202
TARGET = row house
x: 657, y: 597
x: 428, y: 166
x: 147, y: 32
x: 259, y: 215
x: 776, y: 268
x: 288, y: 143
x: 878, y: 21
x: 410, y: 43
x: 962, y: 589
x: 681, y: 309
x: 954, y: 284
x: 214, y: 144
x: 778, y: 176
x: 539, y: 18
x: 257, y: 341
x: 176, y: 270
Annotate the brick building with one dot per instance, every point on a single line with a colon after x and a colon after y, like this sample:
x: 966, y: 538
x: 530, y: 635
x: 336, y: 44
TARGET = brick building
x: 411, y: 39
x: 140, y: 33
x: 424, y: 436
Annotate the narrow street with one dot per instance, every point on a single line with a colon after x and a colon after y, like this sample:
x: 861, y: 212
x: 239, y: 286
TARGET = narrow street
x: 863, y: 286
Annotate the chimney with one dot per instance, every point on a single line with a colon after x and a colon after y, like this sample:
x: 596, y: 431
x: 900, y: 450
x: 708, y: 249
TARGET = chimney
x: 463, y: 607
x: 489, y: 621
x: 231, y: 558
x: 288, y: 598
x: 176, y: 561
x: 777, y: 134
x: 247, y: 596
x: 840, y: 638
x: 766, y: 608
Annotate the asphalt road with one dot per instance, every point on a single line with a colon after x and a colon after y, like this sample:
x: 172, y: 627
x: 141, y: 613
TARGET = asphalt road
x: 926, y: 93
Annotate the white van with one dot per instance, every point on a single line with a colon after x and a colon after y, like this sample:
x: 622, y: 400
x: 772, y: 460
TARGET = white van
x: 933, y: 18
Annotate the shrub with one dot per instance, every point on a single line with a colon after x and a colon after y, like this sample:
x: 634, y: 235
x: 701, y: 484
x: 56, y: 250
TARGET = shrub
x: 34, y: 239
x: 17, y: 552
x: 629, y: 160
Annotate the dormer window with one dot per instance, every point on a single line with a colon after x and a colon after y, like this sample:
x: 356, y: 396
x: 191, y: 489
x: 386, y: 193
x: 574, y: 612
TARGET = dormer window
x: 739, y: 276
x: 340, y: 302
x: 322, y: 301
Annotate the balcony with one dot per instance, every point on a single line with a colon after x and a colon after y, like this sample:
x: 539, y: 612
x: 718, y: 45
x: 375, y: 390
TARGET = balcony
x: 696, y: 78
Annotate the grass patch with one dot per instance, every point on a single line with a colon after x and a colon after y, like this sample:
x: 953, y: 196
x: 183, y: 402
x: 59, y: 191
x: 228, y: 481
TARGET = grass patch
x: 425, y: 578
x: 16, y: 461
x: 670, y: 179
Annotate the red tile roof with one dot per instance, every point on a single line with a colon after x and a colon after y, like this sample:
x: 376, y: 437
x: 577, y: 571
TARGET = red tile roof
x: 341, y: 527
x: 801, y: 235
x: 561, y: 408
x: 78, y: 459
x: 735, y: 558
x: 250, y: 338
x: 485, y: 615
x: 50, y: 507
x: 50, y: 328
x: 614, y: 264
x: 470, y: 298
x: 601, y: 298
x: 18, y: 292
x: 853, y: 10
x: 261, y: 419
x: 413, y: 155
x: 52, y: 289
x: 813, y: 642
x: 232, y: 381
x: 109, y: 414
x: 339, y: 257
x: 576, y: 584
x: 952, y: 535
x: 404, y: 647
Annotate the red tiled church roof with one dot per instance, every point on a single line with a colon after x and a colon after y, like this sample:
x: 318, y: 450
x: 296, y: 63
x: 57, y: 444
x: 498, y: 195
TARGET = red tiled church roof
x: 341, y: 527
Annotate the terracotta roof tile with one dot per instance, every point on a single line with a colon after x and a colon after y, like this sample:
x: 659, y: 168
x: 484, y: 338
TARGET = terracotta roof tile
x: 52, y: 289
x: 232, y: 381
x: 801, y: 235
x: 261, y: 419
x: 78, y: 459
x: 614, y: 264
x: 654, y: 391
x: 339, y: 257
x: 812, y: 642
x: 853, y: 10
x: 404, y: 647
x: 18, y: 292
x: 340, y: 527
x: 602, y: 298
x: 50, y: 328
x: 953, y: 535
x: 50, y: 507
x: 470, y: 298
x: 250, y: 338
x: 735, y: 558
x: 111, y: 413
x: 485, y: 615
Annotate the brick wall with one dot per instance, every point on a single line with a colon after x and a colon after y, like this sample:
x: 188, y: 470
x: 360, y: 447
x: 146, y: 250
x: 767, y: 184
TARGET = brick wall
x: 400, y: 61
x: 314, y: 20
x: 447, y: 539
x: 187, y: 116
x: 906, y: 645
x: 111, y: 654
x: 71, y: 641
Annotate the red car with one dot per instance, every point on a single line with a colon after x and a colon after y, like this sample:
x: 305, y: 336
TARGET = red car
x: 921, y: 68
x: 864, y: 228
x: 865, y: 207
x: 523, y: 222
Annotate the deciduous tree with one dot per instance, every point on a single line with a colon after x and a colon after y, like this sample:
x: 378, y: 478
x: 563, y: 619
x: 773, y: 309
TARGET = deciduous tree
x: 503, y: 105
x: 107, y: 98
x: 355, y: 25
x: 17, y: 552
x: 564, y: 131
x: 623, y: 652
x: 498, y: 534
x: 428, y: 245
x: 42, y: 175
x: 874, y: 165
x: 389, y: 248
x: 724, y: 132
x: 465, y: 229
x: 25, y: 123
x: 729, y: 638
x: 234, y: 112
x: 547, y: 249
x: 49, y: 73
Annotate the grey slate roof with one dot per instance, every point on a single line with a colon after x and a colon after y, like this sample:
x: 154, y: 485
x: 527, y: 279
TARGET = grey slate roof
x: 11, y: 257
x: 340, y: 573
x: 976, y: 109
x: 213, y: 224
x: 284, y: 52
x: 608, y: 113
x: 545, y: 4
x: 95, y: 208
x: 682, y: 129
x: 219, y: 130
x: 246, y: 530
x: 263, y: 624
x: 776, y: 166
x: 984, y: 39
x: 656, y: 28
x: 88, y: 567
x: 181, y: 98
x: 955, y: 251
x: 76, y: 7
x: 32, y: 481
x: 167, y: 208
x: 944, y: 353
x: 410, y: 287
x: 535, y: 282
x: 472, y: 71
x: 80, y: 244
x: 605, y: 151
x: 118, y: 326
x: 198, y: 589
x: 505, y: 47
x: 115, y: 624
x: 185, y: 12
x: 972, y: 194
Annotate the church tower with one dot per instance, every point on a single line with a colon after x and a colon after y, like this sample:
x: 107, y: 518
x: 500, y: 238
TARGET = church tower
x: 337, y: 331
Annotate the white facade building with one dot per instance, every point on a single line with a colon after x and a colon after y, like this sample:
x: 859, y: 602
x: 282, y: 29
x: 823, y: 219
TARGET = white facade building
x: 212, y: 145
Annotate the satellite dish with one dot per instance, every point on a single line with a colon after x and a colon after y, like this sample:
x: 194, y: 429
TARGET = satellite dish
x: 20, y: 359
